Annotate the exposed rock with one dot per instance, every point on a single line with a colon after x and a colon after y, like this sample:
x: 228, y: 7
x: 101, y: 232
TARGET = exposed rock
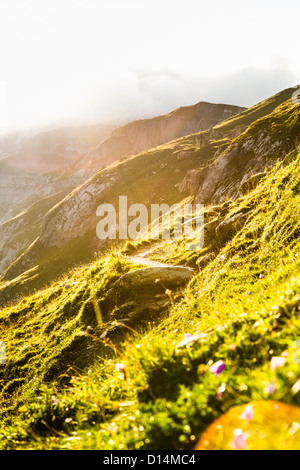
x: 141, y: 296
x: 251, y: 183
x: 230, y: 225
x: 204, y: 260
x: 210, y: 230
x: 238, y: 130
x: 183, y: 154
x: 256, y: 150
x: 191, y: 181
x: 202, y: 139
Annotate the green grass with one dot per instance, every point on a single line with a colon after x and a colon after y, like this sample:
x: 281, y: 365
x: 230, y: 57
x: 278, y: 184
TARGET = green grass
x: 256, y: 112
x: 43, y: 331
x: 243, y: 305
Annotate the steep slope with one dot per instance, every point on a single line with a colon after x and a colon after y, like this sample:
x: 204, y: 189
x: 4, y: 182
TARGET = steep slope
x: 19, y: 232
x: 168, y: 174
x: 55, y: 149
x: 264, y: 142
x: 230, y: 339
x: 20, y: 187
x: 41, y: 165
x: 144, y: 134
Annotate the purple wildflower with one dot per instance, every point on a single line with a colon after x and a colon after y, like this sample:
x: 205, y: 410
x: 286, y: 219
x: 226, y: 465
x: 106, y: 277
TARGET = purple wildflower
x: 270, y: 388
x: 239, y: 441
x: 217, y: 368
x: 247, y: 413
x: 187, y: 335
x: 277, y: 362
x: 220, y: 391
x: 119, y: 367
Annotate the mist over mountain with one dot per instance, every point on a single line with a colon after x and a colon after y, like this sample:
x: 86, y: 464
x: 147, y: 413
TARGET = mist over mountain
x: 122, y: 96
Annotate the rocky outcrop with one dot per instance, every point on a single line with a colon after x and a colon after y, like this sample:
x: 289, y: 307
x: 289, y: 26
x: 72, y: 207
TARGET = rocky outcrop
x: 251, y: 182
x: 229, y: 226
x: 255, y: 150
x: 191, y: 181
x: 143, y: 296
x: 20, y: 188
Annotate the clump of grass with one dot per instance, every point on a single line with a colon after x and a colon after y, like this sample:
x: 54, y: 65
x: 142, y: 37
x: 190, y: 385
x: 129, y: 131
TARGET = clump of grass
x: 42, y: 330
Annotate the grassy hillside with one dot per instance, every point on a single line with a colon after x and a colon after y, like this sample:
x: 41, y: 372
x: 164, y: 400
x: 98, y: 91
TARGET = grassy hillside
x: 138, y: 173
x: 20, y: 231
x: 258, y: 111
x: 66, y: 386
x: 143, y: 177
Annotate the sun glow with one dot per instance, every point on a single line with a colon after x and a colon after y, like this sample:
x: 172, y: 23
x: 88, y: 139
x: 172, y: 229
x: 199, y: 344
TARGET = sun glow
x: 93, y: 60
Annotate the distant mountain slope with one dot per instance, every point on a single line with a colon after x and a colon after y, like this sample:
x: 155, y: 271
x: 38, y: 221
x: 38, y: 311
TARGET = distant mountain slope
x: 228, y: 154
x: 19, y: 232
x: 31, y: 166
x: 20, y: 187
x: 23, y: 176
x: 29, y: 169
x: 144, y: 134
x: 55, y: 149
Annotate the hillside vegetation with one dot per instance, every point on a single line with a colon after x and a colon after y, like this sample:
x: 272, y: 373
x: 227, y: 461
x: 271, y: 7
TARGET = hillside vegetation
x: 78, y: 377
x: 211, y: 166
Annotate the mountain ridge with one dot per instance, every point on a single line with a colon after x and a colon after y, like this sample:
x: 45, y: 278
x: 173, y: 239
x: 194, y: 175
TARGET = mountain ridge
x: 143, y: 134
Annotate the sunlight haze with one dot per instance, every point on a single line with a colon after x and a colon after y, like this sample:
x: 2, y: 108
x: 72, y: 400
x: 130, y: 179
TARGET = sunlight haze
x: 90, y: 61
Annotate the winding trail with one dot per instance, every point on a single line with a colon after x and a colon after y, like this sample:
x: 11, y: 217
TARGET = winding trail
x: 143, y: 296
x: 142, y: 258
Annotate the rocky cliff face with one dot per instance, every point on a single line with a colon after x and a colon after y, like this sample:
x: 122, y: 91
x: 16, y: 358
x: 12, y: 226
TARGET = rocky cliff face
x: 257, y: 149
x: 17, y: 187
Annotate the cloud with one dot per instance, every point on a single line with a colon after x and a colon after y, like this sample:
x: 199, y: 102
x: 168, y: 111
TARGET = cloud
x: 120, y: 96
x: 130, y: 95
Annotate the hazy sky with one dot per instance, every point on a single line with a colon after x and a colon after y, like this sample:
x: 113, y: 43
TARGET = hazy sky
x: 77, y: 61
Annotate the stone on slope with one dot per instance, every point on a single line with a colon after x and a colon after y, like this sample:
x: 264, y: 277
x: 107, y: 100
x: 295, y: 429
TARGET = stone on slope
x: 142, y: 296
